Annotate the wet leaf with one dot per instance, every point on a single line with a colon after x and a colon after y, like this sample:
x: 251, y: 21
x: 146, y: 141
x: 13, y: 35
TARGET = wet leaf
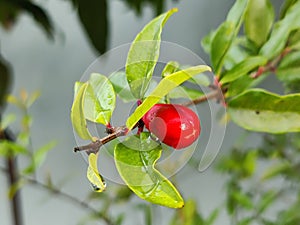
x: 135, y: 159
x: 93, y: 174
x: 163, y: 88
x: 121, y: 86
x: 143, y: 55
x: 257, y: 109
x: 99, y: 99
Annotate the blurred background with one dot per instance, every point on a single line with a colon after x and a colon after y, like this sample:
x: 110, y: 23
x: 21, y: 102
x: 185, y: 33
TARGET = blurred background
x: 50, y: 56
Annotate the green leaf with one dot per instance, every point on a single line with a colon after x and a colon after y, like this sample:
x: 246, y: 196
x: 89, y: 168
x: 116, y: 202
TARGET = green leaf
x: 135, y: 160
x: 281, y: 32
x: 99, y: 99
x: 266, y: 200
x: 14, y: 188
x: 257, y: 110
x: 163, y: 88
x: 93, y: 16
x: 243, y: 68
x: 38, y: 157
x: 259, y: 19
x: 6, y: 121
x: 276, y: 169
x: 143, y: 55
x: 8, y: 149
x: 170, y: 68
x: 286, y: 5
x: 185, y: 92
x: 239, y: 85
x: 187, y: 215
x: 93, y: 174
x: 220, y: 45
x: 242, y: 199
x: 225, y: 35
x: 207, y: 40
x: 77, y: 114
x: 289, y: 68
x: 120, y: 84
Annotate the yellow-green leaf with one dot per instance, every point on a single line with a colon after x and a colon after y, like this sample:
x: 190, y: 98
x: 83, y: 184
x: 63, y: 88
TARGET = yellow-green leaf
x: 163, y: 88
x: 135, y: 160
x: 77, y: 113
x: 143, y: 55
x: 93, y: 174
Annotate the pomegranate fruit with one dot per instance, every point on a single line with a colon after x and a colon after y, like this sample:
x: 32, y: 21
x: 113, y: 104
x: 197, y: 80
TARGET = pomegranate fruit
x: 173, y: 124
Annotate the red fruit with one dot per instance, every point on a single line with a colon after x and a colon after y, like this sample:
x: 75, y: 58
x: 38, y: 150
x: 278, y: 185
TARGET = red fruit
x: 174, y: 125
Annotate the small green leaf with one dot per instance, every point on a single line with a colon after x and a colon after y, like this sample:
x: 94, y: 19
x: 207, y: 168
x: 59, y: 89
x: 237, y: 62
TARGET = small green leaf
x: 259, y: 19
x: 188, y: 215
x: 257, y: 109
x: 266, y: 200
x: 289, y: 68
x: 243, y: 68
x: 163, y: 88
x: 38, y: 157
x: 7, y: 120
x: 242, y: 199
x: 77, y: 114
x: 143, y: 55
x: 135, y: 160
x: 185, y: 92
x: 170, y: 68
x: 8, y: 149
x: 237, y: 13
x: 281, y: 32
x: 99, y: 99
x: 14, y: 188
x: 93, y: 174
x: 239, y: 85
x: 120, y: 84
x: 276, y: 169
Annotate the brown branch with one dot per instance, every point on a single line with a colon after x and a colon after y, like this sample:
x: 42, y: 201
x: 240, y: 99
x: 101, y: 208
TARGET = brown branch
x: 12, y: 173
x: 217, y: 94
x: 271, y: 66
x: 95, y: 146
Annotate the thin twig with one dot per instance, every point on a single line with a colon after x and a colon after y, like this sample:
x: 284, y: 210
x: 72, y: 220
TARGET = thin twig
x: 66, y: 196
x: 95, y: 146
x: 214, y: 94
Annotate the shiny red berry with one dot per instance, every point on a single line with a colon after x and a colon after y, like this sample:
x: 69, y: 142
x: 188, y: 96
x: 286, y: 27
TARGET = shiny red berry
x: 175, y: 125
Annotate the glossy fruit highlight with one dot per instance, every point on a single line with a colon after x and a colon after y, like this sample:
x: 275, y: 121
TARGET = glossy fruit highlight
x: 173, y: 124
